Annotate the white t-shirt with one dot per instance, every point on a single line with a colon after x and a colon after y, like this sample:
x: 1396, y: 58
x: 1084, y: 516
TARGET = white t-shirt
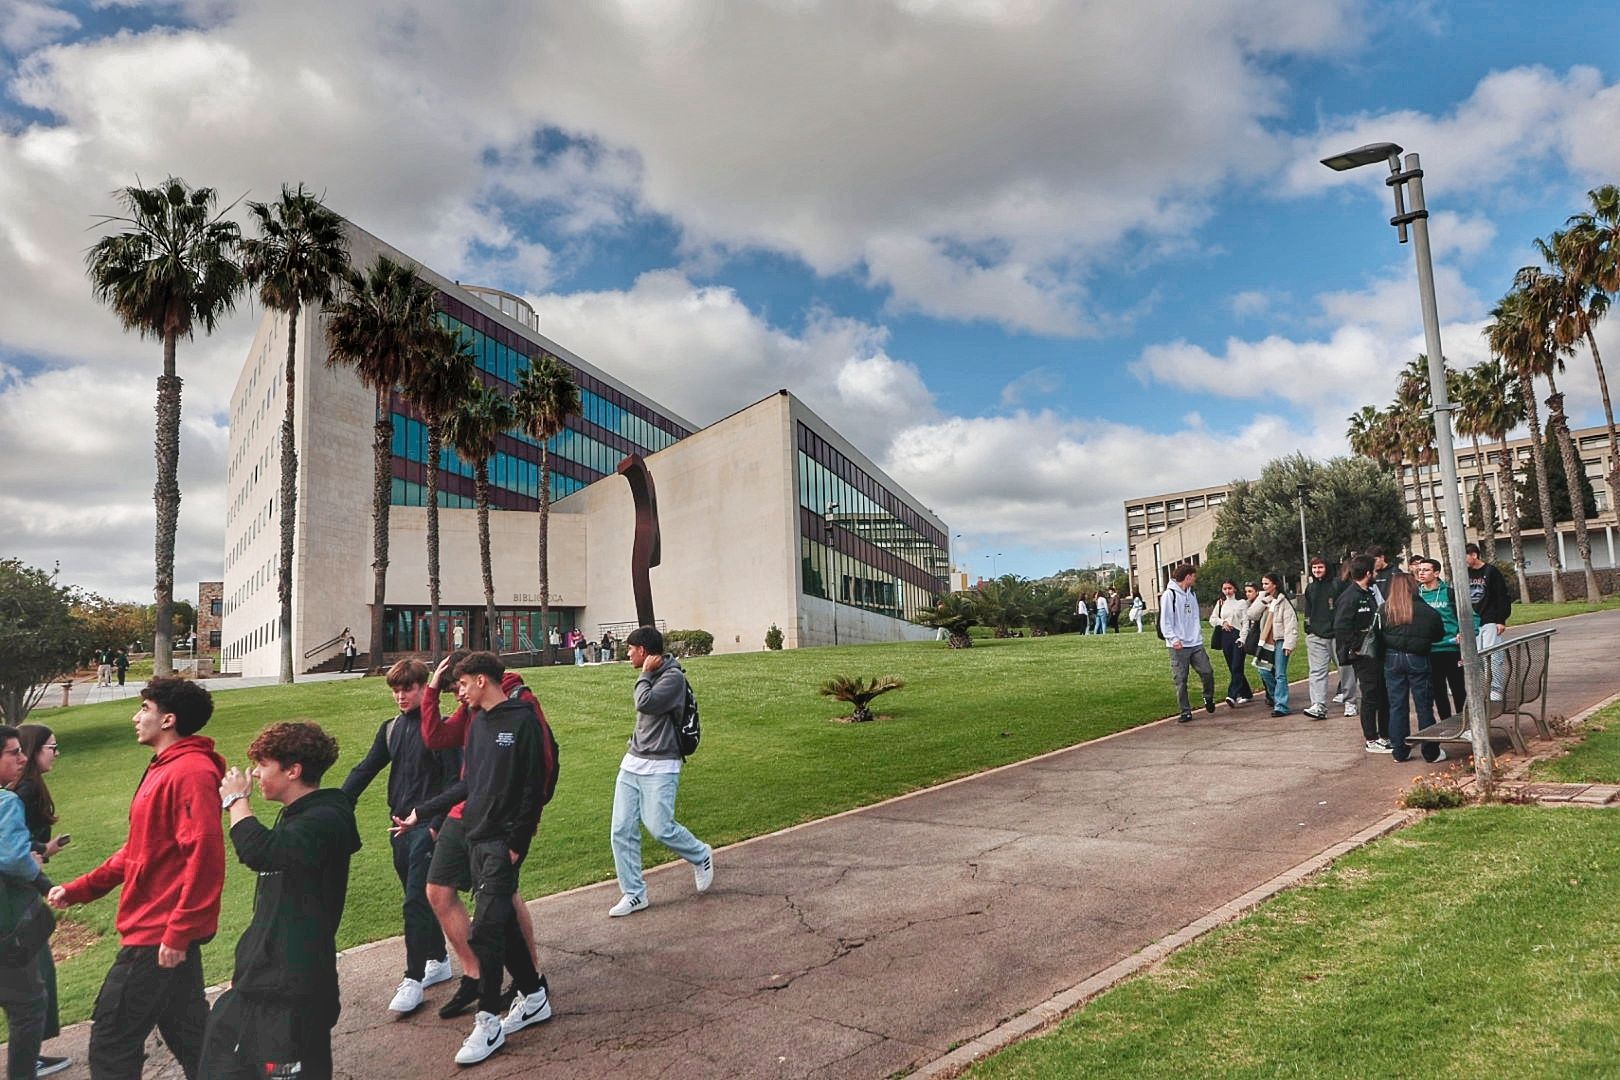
x: 642, y: 766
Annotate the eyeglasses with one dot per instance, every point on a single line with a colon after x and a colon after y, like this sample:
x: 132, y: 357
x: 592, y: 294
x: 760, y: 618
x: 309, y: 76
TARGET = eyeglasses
x: 53, y: 748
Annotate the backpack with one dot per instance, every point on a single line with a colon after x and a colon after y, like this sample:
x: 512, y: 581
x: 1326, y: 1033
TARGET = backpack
x: 550, y: 755
x: 1158, y: 621
x: 687, y: 729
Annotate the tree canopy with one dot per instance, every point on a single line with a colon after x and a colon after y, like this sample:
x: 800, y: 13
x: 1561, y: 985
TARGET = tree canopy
x: 1558, y: 488
x: 40, y: 638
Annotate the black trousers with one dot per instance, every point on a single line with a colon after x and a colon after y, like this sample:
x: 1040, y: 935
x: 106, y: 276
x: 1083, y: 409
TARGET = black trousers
x: 136, y: 996
x: 1374, y: 712
x: 424, y: 939
x: 1446, y: 675
x: 263, y: 1040
x: 495, y: 937
x: 1237, y: 686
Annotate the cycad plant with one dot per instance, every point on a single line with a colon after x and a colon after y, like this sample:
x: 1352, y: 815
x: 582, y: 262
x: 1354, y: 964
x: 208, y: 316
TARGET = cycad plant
x: 546, y: 397
x: 439, y: 377
x: 955, y: 613
x: 860, y: 692
x: 375, y: 326
x: 472, y: 429
x: 171, y: 268
x: 296, y: 262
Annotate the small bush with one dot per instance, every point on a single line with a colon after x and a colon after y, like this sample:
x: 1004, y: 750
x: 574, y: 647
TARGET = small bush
x: 859, y: 692
x: 1434, y: 793
x: 689, y: 642
x: 773, y: 637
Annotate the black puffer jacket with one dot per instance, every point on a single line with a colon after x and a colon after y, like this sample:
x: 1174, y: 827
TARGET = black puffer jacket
x: 288, y: 953
x: 1417, y: 636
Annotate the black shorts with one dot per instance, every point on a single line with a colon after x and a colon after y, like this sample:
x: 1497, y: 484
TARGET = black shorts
x: 452, y: 862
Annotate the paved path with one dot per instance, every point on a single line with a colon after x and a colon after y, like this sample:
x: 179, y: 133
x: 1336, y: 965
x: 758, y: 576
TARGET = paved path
x: 875, y: 941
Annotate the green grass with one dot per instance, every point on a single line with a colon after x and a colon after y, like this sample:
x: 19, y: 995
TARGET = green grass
x: 770, y: 756
x: 1541, y: 612
x: 1593, y: 760
x: 1478, y: 943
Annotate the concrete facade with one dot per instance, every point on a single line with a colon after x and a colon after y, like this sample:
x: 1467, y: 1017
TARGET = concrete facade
x: 728, y: 501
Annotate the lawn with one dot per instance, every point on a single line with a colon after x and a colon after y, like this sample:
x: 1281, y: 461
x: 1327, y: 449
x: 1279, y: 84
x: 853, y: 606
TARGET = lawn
x: 1593, y: 760
x: 1479, y: 942
x: 771, y: 756
x: 1541, y: 612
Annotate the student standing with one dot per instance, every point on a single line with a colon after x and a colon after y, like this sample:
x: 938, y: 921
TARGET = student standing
x: 1279, y: 630
x: 1409, y: 628
x: 1138, y: 607
x: 1445, y: 659
x: 415, y: 775
x: 1321, y: 592
x: 121, y: 665
x: 276, y: 1020
x: 1488, y: 591
x: 650, y: 774
x: 22, y: 882
x: 1355, y: 624
x: 39, y: 813
x: 171, y: 868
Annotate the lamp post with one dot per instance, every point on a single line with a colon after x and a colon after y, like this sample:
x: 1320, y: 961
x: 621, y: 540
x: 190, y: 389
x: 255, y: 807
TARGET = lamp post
x: 832, y: 512
x: 1406, y: 177
x: 1304, y: 545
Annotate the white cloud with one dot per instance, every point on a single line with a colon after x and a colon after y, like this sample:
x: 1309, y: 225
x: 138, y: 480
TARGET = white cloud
x: 28, y: 24
x: 1037, y: 382
x: 1250, y: 302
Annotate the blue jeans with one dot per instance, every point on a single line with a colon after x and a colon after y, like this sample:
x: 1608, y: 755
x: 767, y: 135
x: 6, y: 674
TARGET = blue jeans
x: 1100, y: 621
x: 650, y: 801
x: 1407, y: 673
x: 1277, y: 682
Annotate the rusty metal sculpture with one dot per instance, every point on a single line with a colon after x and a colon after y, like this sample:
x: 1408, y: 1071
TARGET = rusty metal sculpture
x: 647, y: 550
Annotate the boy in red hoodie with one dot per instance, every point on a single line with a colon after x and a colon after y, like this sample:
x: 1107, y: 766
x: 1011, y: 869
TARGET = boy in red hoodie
x: 172, y: 868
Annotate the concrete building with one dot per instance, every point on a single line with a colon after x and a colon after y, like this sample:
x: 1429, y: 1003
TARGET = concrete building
x: 1152, y: 514
x: 767, y: 516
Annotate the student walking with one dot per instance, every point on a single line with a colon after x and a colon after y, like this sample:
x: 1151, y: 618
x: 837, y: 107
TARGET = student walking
x: 1182, y: 630
x: 415, y: 775
x: 121, y: 665
x: 40, y: 750
x: 650, y: 774
x: 171, y: 869
x: 276, y: 1020
x: 1229, y: 618
x: 23, y: 995
x: 1409, y: 628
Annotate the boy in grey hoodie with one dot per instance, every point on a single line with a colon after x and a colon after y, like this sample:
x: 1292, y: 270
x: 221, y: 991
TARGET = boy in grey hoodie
x: 650, y: 774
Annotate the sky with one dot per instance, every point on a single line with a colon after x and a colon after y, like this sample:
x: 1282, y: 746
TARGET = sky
x: 1033, y: 257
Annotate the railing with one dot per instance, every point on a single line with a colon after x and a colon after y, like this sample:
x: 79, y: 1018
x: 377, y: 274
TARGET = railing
x: 1514, y: 674
x: 329, y: 643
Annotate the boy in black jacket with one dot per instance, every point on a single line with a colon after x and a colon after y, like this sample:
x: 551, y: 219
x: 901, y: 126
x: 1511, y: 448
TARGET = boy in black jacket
x: 502, y: 781
x: 276, y: 1020
x: 1354, y: 614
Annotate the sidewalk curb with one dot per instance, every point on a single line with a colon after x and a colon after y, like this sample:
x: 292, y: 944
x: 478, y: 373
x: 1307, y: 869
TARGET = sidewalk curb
x: 1055, y: 1008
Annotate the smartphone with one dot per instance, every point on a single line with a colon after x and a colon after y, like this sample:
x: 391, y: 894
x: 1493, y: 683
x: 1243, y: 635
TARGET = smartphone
x: 64, y: 840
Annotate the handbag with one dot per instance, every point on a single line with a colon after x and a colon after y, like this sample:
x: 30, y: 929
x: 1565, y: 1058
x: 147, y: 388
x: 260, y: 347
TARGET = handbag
x: 32, y: 931
x: 1265, y: 658
x: 1251, y: 640
x: 1368, y: 645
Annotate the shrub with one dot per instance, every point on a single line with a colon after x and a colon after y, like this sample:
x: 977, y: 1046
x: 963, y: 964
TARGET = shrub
x: 773, y: 637
x: 1434, y: 793
x: 859, y: 692
x: 689, y: 642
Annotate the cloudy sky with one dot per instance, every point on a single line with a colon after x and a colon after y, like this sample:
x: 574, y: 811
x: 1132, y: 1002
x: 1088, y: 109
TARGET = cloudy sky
x: 1034, y: 256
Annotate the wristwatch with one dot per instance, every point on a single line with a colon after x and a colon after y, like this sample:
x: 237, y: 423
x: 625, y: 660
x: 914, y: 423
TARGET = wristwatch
x: 227, y: 801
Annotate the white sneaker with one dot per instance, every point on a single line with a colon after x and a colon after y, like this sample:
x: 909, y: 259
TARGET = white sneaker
x: 703, y: 872
x: 488, y: 1036
x: 1439, y: 755
x: 627, y: 905
x: 1338, y: 699
x: 437, y: 971
x: 1386, y: 746
x: 1376, y: 746
x: 408, y: 998
x: 1351, y: 710
x: 528, y: 1009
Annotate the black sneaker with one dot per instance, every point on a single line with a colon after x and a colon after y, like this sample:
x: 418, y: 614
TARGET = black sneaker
x: 1184, y: 718
x: 465, y: 997
x: 1209, y: 703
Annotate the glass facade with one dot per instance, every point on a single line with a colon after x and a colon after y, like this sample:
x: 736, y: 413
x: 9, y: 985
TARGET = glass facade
x: 407, y: 629
x: 878, y: 553
x: 609, y: 426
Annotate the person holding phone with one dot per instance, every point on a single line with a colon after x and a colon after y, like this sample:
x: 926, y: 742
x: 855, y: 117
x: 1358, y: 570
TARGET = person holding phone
x: 39, y: 810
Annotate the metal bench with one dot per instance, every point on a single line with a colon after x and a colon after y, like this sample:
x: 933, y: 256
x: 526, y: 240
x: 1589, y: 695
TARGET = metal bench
x: 1515, y: 677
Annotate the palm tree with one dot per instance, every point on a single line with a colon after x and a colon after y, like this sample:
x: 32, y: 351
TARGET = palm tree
x: 1376, y: 434
x: 1590, y: 257
x: 546, y: 397
x: 170, y: 269
x: 296, y: 261
x: 438, y: 379
x: 1518, y: 337
x: 1491, y: 408
x: 955, y: 613
x: 376, y: 326
x: 859, y: 692
x: 1414, y: 434
x: 472, y: 429
x: 1549, y: 301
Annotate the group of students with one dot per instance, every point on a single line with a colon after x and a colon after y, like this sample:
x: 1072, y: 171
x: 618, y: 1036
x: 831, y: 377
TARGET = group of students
x: 465, y: 794
x: 1103, y: 611
x: 1392, y: 636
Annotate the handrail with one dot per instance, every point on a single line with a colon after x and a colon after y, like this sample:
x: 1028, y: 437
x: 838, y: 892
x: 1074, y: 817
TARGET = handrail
x: 327, y: 644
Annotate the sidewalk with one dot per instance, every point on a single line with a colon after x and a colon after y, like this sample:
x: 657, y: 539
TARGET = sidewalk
x: 88, y: 693
x: 873, y: 942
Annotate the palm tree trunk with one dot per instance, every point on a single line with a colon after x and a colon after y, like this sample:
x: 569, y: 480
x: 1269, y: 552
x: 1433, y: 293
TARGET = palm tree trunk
x: 1424, y: 493
x: 166, y: 504
x: 545, y: 571
x: 435, y: 438
x: 1487, y: 509
x: 1608, y: 415
x: 382, y: 441
x: 1549, y: 527
x: 481, y: 493
x: 289, y: 499
x: 1508, y: 484
x: 1574, y: 470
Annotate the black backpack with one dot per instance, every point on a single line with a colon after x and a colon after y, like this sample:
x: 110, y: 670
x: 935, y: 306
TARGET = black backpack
x: 687, y: 729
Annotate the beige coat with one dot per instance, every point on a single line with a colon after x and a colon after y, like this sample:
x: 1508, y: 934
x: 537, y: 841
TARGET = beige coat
x: 1278, y: 623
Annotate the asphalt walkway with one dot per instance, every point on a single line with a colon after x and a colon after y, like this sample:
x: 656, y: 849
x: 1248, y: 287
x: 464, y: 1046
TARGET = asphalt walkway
x: 873, y: 942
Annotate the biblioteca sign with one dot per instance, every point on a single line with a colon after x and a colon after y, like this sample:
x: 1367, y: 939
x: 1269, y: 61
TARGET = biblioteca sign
x: 533, y: 598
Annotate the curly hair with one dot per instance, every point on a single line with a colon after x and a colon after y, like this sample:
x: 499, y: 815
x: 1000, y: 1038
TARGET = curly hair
x: 296, y: 742
x: 190, y: 703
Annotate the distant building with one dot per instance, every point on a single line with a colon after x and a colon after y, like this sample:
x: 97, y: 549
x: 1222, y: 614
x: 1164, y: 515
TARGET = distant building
x: 210, y: 615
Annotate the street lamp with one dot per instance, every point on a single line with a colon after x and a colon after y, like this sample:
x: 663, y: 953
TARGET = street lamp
x: 832, y: 512
x: 1407, y: 176
x: 1304, y: 545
